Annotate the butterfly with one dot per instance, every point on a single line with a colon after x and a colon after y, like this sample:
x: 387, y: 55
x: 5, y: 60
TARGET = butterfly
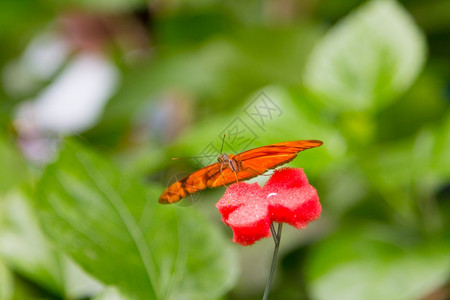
x: 232, y: 168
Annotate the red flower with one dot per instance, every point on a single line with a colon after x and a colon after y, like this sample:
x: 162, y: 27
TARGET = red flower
x: 286, y: 197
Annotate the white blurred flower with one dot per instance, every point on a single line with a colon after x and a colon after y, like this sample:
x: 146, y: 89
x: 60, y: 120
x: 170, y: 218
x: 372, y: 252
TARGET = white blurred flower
x: 42, y: 58
x: 71, y: 104
x: 75, y: 100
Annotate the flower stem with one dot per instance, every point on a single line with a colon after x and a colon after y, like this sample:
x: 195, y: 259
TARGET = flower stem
x: 276, y: 238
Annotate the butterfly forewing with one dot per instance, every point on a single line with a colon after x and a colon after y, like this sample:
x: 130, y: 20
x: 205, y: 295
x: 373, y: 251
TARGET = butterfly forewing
x: 190, y: 184
x: 261, y: 159
x: 278, y: 149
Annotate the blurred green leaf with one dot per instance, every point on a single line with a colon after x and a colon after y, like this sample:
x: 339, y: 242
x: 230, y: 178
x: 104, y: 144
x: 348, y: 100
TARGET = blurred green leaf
x: 109, y: 294
x: 423, y: 103
x: 345, y: 186
x: 28, y: 17
x: 368, y: 58
x: 13, y: 168
x: 355, y: 262
x: 24, y: 248
x: 408, y: 172
x: 440, y: 156
x: 119, y: 233
x: 294, y: 121
x: 112, y: 6
x: 213, y: 76
x: 6, y: 283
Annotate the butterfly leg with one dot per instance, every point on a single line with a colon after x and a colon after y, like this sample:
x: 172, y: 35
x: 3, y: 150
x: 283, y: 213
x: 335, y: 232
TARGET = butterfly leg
x: 221, y: 166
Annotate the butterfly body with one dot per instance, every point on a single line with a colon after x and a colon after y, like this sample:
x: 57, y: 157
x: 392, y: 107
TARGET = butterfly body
x: 232, y: 168
x: 227, y: 159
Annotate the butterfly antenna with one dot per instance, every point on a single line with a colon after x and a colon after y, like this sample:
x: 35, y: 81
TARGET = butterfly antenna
x: 223, y: 140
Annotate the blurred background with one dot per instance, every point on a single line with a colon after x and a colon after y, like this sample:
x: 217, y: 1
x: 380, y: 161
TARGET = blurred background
x: 133, y: 83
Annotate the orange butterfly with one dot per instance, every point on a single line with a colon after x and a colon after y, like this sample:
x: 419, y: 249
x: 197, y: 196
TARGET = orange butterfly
x: 232, y: 168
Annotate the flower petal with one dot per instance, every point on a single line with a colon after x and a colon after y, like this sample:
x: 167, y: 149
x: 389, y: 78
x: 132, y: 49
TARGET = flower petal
x: 250, y: 223
x: 292, y: 199
x: 287, y: 197
x: 245, y: 209
x: 297, y: 207
x: 235, y: 196
x: 286, y: 178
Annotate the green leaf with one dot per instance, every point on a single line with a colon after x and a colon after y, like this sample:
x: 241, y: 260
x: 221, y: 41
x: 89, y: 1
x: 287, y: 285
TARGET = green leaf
x: 408, y: 173
x: 22, y: 245
x: 24, y: 248
x: 6, y: 283
x: 114, y: 6
x: 294, y: 121
x: 356, y: 261
x: 13, y: 169
x: 116, y: 230
x: 109, y: 294
x: 440, y: 157
x: 368, y: 58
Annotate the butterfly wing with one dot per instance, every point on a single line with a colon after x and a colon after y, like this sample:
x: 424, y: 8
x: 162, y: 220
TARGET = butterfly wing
x: 257, y: 161
x: 228, y: 176
x: 190, y: 184
x: 251, y: 163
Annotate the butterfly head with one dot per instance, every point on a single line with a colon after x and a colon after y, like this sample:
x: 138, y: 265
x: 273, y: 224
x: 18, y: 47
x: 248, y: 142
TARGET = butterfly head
x: 228, y: 161
x: 223, y: 158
